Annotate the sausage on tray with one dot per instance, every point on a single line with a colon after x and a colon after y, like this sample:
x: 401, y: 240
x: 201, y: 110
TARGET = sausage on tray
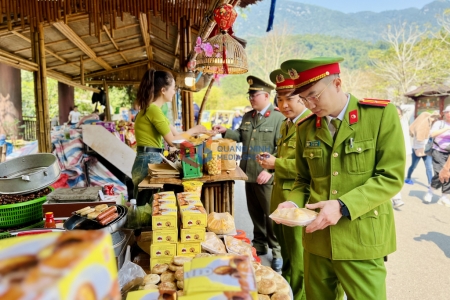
x: 109, y: 219
x: 106, y: 213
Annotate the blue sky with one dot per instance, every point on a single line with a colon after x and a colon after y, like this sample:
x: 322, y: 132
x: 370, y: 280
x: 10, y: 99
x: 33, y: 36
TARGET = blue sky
x: 369, y: 5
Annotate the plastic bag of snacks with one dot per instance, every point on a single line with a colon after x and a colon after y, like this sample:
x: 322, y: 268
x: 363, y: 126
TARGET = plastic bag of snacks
x: 214, y: 165
x: 193, y: 186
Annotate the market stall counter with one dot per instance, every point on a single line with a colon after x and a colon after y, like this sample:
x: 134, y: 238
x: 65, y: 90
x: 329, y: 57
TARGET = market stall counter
x: 217, y: 191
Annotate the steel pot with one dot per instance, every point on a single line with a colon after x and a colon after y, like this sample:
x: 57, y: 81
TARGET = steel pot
x: 28, y: 173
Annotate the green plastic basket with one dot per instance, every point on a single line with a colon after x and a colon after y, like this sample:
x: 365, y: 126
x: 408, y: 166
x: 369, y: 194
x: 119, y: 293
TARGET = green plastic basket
x: 12, y: 215
x: 39, y: 224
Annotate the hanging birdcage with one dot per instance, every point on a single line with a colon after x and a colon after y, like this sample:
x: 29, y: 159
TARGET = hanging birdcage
x: 227, y: 56
x: 235, y: 58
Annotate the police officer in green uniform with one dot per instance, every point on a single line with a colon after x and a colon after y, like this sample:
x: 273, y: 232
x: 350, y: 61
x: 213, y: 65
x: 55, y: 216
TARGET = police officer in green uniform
x: 290, y: 238
x: 259, y: 132
x: 348, y: 168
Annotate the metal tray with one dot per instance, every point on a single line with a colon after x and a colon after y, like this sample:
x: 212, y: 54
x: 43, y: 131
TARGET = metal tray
x: 81, y: 194
x: 77, y: 222
x: 28, y: 173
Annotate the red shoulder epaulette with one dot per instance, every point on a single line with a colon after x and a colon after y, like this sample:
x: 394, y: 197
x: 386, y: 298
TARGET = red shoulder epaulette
x: 304, y: 118
x: 374, y: 102
x: 276, y: 108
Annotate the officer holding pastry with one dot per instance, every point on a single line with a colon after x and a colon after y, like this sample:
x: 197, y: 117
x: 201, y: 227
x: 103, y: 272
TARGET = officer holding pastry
x: 348, y: 168
x: 259, y: 132
x: 290, y: 238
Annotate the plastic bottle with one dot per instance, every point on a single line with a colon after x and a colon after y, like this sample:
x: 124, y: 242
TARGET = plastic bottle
x: 49, y: 220
x: 66, y: 132
x: 133, y: 218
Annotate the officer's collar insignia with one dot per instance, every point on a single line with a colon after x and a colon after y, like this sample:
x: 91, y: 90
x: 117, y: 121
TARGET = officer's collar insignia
x: 303, y: 119
x: 353, y: 116
x: 267, y: 113
x: 254, y: 112
x: 250, y: 81
x: 318, y: 122
x: 374, y: 102
x: 280, y: 78
x: 293, y: 73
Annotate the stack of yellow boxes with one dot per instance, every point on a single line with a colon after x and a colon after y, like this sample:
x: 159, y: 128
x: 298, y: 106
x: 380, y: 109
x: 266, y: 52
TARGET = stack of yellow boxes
x: 165, y: 229
x: 193, y: 223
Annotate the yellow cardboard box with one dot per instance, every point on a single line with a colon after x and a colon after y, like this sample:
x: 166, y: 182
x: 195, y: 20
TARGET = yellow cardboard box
x: 166, y: 219
x: 159, y: 261
x: 218, y: 274
x: 163, y: 195
x: 189, y: 248
x: 163, y: 250
x: 165, y: 236
x: 193, y: 216
x: 192, y: 235
x: 151, y: 295
x: 60, y: 265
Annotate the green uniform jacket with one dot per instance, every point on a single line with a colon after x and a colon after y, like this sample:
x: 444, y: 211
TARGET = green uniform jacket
x: 256, y: 139
x: 364, y: 176
x: 285, y: 171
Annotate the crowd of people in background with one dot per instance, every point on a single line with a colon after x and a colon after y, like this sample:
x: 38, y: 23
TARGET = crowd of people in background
x: 430, y: 138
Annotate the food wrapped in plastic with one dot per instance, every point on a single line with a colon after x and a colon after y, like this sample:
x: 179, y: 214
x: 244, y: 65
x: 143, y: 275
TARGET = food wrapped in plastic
x: 213, y: 244
x: 293, y: 216
x: 221, y: 223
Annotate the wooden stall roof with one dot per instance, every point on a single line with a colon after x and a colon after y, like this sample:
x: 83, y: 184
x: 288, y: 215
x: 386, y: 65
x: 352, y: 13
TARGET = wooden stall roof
x: 429, y: 91
x: 87, y: 41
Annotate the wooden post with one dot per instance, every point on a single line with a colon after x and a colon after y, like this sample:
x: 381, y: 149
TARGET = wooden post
x: 40, y: 88
x: 3, y: 153
x: 107, y: 111
x: 232, y: 198
x: 82, y: 69
x: 211, y: 199
x: 205, y: 98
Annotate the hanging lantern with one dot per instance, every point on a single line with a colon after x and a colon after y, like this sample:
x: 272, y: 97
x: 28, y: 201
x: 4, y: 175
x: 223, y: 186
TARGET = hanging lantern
x: 227, y: 55
x: 225, y: 15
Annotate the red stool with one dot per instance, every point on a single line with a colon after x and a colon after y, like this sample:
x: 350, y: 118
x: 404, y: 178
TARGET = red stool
x: 246, y: 240
x: 240, y: 234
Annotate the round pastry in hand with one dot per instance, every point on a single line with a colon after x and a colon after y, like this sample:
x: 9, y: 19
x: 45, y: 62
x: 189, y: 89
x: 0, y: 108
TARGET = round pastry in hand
x: 266, y: 287
x: 160, y: 268
x: 168, y: 276
x: 151, y: 279
x: 280, y: 296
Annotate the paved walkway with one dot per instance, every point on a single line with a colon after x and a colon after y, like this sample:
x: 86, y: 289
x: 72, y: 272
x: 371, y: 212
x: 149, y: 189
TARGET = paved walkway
x: 420, y: 268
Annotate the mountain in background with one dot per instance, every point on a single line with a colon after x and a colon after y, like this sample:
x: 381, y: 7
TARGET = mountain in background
x: 311, y: 19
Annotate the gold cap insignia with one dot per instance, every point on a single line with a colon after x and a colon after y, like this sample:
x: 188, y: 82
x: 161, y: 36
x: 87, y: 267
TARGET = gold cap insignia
x: 280, y: 78
x: 250, y: 81
x: 293, y: 73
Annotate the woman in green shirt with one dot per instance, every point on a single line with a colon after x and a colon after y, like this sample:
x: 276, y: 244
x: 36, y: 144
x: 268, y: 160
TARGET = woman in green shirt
x: 152, y: 126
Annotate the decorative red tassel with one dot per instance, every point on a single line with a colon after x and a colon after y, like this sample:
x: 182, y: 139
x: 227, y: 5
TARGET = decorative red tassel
x: 224, y: 57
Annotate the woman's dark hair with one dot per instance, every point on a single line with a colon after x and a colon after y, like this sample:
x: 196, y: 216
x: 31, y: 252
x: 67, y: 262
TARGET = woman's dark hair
x: 150, y: 87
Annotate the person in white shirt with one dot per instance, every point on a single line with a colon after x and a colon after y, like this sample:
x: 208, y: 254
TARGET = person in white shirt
x: 74, y: 116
